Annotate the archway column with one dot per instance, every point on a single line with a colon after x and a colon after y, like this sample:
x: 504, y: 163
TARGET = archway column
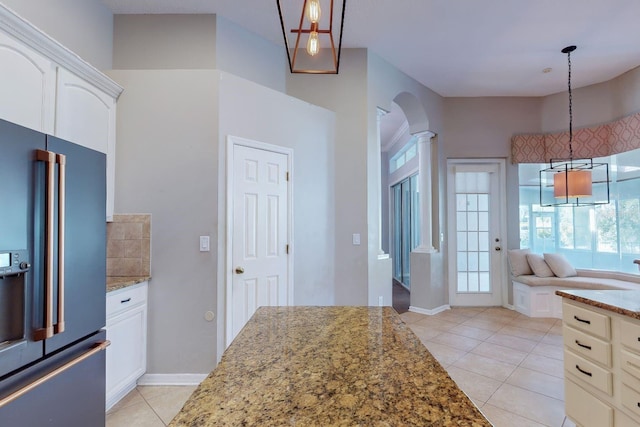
x: 424, y: 189
x: 381, y: 253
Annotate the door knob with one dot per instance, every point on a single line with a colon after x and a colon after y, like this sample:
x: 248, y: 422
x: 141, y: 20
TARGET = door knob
x: 239, y: 270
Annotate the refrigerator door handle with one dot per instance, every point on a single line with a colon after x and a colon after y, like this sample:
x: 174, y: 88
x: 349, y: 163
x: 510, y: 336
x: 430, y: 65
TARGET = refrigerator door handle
x: 47, y: 331
x: 61, y: 159
x: 99, y: 346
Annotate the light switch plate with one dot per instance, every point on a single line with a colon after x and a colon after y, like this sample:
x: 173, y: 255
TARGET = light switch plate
x: 204, y: 244
x: 356, y: 238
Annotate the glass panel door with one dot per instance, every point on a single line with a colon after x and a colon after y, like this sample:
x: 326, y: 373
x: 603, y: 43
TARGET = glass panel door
x: 406, y: 227
x: 475, y: 207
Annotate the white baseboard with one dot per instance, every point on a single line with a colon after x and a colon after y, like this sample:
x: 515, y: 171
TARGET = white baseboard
x: 171, y: 379
x: 429, y: 312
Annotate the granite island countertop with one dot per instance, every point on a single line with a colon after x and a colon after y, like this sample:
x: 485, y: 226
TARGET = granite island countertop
x: 118, y: 282
x: 328, y: 366
x: 624, y: 302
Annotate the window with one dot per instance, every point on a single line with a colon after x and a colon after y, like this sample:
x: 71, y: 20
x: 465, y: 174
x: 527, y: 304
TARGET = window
x: 604, y: 236
x: 407, y: 153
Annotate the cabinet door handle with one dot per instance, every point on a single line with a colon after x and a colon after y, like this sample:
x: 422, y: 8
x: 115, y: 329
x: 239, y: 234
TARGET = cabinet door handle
x: 588, y: 347
x: 589, y: 374
x: 125, y: 300
x: 588, y: 322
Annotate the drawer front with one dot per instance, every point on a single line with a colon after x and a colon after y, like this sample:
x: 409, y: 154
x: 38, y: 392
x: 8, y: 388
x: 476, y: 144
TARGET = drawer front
x: 586, y: 320
x: 631, y: 400
x: 630, y: 335
x: 586, y: 409
x: 125, y: 299
x: 630, y: 363
x: 588, y: 372
x: 587, y: 346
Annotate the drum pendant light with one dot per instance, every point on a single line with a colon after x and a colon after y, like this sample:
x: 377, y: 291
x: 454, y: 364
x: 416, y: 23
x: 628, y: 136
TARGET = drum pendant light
x: 573, y: 179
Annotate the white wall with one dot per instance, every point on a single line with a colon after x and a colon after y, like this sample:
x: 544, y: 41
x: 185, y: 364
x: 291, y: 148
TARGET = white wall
x: 83, y: 26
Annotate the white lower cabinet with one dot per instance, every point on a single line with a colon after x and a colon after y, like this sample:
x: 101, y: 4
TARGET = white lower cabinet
x: 602, y: 366
x: 127, y: 331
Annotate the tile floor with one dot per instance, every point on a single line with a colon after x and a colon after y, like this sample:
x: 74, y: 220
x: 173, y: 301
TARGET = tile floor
x: 508, y: 364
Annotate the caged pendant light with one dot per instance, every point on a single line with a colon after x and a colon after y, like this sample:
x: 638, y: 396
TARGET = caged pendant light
x: 573, y: 179
x: 310, y: 44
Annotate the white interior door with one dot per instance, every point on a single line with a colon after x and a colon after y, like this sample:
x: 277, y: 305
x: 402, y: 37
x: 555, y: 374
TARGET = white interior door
x: 476, y: 228
x: 260, y: 232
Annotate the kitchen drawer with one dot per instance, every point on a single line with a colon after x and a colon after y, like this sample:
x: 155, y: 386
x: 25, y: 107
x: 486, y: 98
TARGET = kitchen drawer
x: 588, y: 372
x: 630, y: 363
x: 587, y: 346
x: 631, y: 400
x: 586, y: 320
x: 586, y: 409
x: 630, y: 335
x: 126, y: 298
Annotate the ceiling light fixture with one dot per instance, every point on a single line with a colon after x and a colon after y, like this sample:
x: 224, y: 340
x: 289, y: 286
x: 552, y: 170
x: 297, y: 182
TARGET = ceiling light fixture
x: 573, y: 179
x: 321, y: 56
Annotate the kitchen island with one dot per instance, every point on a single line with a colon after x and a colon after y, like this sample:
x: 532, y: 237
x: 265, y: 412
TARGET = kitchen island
x: 328, y: 366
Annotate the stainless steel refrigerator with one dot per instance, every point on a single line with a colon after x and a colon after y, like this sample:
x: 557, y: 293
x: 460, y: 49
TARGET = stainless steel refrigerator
x: 52, y: 281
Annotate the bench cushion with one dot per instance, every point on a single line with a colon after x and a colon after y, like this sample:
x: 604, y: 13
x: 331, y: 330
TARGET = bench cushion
x: 586, y: 279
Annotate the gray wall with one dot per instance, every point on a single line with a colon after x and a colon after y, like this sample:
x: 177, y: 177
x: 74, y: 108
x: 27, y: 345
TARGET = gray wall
x: 344, y: 94
x: 166, y: 166
x: 164, y: 42
x: 83, y: 26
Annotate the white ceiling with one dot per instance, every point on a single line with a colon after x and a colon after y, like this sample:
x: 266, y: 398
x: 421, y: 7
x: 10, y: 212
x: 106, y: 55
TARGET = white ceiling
x: 464, y: 47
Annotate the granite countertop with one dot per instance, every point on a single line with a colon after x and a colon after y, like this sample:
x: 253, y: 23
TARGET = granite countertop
x: 625, y: 302
x: 119, y: 282
x: 328, y: 366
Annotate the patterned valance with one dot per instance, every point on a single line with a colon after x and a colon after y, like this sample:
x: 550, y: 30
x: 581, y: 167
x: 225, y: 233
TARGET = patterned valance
x: 597, y: 141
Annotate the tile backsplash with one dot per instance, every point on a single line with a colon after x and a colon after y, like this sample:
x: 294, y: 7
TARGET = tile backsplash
x: 129, y: 245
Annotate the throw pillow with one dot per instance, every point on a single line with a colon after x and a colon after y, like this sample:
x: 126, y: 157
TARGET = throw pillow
x: 539, y: 265
x: 518, y: 262
x: 560, y: 266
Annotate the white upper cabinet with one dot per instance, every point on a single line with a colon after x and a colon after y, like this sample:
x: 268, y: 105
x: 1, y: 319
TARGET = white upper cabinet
x: 87, y: 116
x: 27, y: 86
x: 46, y: 87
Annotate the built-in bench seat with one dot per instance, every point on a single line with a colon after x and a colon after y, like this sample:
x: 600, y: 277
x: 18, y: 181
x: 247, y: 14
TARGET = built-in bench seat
x: 535, y: 296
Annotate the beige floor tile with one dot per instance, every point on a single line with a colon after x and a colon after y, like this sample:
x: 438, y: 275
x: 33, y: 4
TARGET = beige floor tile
x: 549, y: 350
x: 512, y: 342
x: 501, y: 353
x: 456, y: 341
x: 544, y: 364
x: 488, y: 324
x: 433, y: 323
x: 443, y: 353
x: 552, y: 339
x: 476, y: 386
x: 424, y: 333
x: 537, y: 324
x: 501, y: 418
x: 149, y: 392
x: 138, y: 415
x: 452, y: 316
x: 468, y: 311
x: 411, y: 317
x: 490, y: 368
x: 168, y: 404
x: 134, y: 397
x: 545, y: 384
x: 525, y: 333
x: 528, y: 404
x: 468, y: 331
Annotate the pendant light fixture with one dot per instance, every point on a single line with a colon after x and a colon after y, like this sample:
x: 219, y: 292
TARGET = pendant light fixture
x: 310, y: 44
x: 572, y: 179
